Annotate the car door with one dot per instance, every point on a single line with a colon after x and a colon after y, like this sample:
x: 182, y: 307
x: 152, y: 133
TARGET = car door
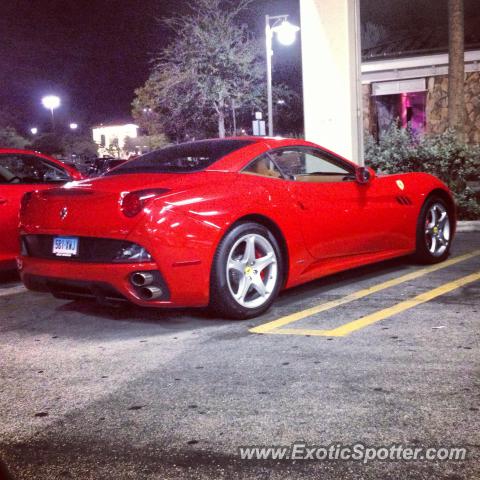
x: 21, y: 173
x: 338, y: 216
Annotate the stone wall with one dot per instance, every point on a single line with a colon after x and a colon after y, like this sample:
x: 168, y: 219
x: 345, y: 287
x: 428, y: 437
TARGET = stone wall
x: 437, y: 105
x: 367, y: 108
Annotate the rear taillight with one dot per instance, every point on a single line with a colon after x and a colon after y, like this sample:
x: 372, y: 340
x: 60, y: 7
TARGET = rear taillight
x: 133, y: 203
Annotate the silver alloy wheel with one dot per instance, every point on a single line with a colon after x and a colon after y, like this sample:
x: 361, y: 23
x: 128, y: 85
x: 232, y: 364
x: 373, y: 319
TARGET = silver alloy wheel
x: 437, y: 230
x: 252, y: 270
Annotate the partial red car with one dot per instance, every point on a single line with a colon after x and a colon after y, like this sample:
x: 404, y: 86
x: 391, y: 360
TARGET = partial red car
x: 22, y: 171
x: 226, y: 223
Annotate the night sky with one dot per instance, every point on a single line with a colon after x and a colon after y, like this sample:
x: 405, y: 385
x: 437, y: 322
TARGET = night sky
x: 93, y: 54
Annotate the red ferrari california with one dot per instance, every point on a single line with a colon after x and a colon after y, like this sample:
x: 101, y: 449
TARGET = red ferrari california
x: 22, y: 171
x: 226, y: 223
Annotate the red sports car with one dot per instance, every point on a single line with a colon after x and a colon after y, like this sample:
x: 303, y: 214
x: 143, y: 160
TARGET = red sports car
x: 226, y: 223
x: 22, y: 171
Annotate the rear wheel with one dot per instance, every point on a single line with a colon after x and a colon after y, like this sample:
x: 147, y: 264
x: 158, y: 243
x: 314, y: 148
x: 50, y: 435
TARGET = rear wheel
x: 247, y: 272
x: 434, y: 231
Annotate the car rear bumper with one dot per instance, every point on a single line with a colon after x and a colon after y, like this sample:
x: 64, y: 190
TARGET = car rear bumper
x: 107, y: 282
x: 7, y: 263
x: 71, y: 289
x: 181, y: 250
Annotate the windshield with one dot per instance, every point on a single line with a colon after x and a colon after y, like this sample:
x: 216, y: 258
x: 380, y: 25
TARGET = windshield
x: 186, y: 157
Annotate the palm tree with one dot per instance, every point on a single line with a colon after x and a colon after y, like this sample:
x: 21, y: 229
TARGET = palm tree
x: 456, y: 67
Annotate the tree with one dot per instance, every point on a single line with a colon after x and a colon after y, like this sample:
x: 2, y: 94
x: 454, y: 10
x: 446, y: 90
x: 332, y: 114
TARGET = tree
x: 49, y: 144
x: 173, y: 111
x: 114, y: 148
x: 146, y: 143
x: 82, y: 146
x: 67, y: 145
x: 456, y: 67
x: 373, y: 34
x: 209, y: 76
x: 10, y: 138
x: 11, y: 118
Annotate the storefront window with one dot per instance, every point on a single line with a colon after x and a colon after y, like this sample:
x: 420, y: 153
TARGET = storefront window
x: 408, y: 109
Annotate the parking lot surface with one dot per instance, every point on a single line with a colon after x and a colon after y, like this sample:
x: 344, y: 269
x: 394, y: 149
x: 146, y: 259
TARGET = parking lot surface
x: 380, y: 355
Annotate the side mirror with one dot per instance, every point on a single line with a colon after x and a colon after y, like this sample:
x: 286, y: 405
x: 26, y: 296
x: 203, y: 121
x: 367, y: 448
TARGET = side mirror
x: 364, y: 175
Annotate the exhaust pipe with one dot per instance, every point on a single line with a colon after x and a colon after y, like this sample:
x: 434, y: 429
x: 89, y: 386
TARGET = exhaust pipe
x: 141, y: 279
x: 151, y: 293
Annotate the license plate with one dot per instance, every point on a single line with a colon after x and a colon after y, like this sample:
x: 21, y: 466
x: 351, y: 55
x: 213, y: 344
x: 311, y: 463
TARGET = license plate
x: 65, y: 246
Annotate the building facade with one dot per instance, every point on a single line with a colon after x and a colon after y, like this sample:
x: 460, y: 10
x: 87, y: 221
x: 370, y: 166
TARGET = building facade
x: 112, y: 139
x: 413, y: 90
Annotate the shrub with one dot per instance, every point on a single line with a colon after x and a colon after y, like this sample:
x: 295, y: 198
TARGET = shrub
x: 454, y: 162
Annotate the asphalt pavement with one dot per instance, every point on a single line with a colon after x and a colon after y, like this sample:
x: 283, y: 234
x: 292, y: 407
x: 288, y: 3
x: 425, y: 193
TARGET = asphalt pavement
x: 88, y: 392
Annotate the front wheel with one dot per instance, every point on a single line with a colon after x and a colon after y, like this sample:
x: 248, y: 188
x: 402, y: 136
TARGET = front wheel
x: 434, y: 231
x: 247, y: 272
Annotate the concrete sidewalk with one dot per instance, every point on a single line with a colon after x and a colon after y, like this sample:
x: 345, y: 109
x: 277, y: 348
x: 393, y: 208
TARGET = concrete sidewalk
x: 468, y: 226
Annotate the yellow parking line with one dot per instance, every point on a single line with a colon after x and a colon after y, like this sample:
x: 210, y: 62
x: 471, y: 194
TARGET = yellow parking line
x: 271, y: 327
x: 303, y: 332
x: 402, y: 306
x: 382, y: 314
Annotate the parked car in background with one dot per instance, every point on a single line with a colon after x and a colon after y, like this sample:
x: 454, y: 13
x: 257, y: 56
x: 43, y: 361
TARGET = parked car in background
x: 99, y: 166
x: 227, y: 223
x: 22, y: 171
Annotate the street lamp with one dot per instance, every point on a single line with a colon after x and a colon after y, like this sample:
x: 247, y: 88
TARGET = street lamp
x: 51, y: 102
x: 286, y: 34
x: 34, y: 130
x: 73, y: 126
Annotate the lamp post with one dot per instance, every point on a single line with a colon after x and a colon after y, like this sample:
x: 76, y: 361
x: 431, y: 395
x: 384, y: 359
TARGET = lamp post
x: 51, y: 102
x: 286, y: 34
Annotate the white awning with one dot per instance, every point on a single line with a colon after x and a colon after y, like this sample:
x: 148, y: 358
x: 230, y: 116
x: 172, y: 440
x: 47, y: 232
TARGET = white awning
x: 399, y: 86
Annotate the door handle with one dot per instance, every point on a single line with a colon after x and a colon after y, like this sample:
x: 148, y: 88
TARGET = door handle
x: 3, y: 201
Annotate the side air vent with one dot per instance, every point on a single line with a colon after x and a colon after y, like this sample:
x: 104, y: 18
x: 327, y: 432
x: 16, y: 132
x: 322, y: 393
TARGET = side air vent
x: 404, y: 200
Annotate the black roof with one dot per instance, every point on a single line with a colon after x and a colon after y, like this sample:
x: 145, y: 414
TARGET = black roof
x: 421, y: 42
x: 175, y: 158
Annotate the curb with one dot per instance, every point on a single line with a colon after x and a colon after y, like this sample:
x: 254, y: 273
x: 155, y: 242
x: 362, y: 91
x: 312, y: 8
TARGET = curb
x: 468, y: 226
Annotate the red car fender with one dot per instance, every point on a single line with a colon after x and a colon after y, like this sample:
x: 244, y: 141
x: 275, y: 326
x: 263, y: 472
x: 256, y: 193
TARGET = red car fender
x: 11, y: 199
x: 420, y: 186
x: 215, y: 218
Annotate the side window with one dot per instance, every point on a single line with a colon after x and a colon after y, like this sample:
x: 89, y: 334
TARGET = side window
x: 318, y: 162
x: 263, y: 166
x: 7, y: 174
x: 311, y: 166
x: 290, y: 162
x: 27, y: 169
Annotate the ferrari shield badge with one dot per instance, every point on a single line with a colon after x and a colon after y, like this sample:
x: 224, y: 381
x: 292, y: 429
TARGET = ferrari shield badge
x: 400, y: 185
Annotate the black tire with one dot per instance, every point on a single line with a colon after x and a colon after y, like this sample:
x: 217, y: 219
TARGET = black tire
x: 222, y: 301
x: 423, y: 253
